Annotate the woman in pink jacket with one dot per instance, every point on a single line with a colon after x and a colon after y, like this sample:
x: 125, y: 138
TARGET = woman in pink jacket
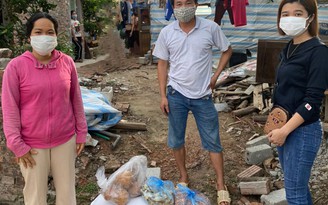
x: 43, y: 116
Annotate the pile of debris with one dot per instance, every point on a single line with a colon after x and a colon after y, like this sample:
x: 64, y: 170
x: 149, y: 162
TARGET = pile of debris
x: 237, y: 91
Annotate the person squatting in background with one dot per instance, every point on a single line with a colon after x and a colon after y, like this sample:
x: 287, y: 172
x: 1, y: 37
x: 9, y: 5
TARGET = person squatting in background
x: 43, y: 116
x: 76, y: 37
x: 301, y: 81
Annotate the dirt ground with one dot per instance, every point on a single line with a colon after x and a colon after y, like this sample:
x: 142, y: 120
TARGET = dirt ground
x: 138, y: 86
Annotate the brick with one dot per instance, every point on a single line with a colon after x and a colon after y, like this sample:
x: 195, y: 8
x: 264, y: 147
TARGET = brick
x: 251, y: 171
x: 257, y: 154
x: 258, y: 141
x: 275, y: 198
x: 255, y: 186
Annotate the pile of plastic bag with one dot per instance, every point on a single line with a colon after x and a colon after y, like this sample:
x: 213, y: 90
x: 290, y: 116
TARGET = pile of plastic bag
x: 186, y: 196
x: 158, y: 192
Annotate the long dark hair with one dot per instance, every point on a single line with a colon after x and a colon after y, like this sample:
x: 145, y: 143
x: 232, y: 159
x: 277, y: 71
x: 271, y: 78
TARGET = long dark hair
x: 37, y: 16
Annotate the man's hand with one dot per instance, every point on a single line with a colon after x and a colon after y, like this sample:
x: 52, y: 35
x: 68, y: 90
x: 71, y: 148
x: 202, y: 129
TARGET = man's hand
x: 165, y: 106
x: 214, y: 78
x: 27, y: 159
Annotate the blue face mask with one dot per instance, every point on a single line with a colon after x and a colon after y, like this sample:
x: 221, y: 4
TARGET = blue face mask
x: 74, y: 16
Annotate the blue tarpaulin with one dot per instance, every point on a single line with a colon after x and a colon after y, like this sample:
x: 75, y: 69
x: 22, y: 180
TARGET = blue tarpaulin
x: 99, y: 113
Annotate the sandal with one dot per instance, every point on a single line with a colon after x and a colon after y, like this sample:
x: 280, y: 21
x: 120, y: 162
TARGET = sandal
x: 223, y: 196
x: 182, y: 184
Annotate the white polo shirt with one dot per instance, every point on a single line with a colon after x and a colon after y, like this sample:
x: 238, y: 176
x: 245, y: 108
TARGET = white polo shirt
x: 190, y: 55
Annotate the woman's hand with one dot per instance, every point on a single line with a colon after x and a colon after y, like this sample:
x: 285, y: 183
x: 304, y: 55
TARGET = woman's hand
x: 79, y: 148
x: 27, y: 159
x: 277, y: 137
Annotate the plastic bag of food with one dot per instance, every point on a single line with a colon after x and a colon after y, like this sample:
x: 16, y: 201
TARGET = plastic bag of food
x: 124, y: 183
x: 186, y: 196
x: 158, y: 192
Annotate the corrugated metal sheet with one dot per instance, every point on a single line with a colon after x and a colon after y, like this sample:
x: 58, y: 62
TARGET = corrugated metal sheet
x: 261, y: 23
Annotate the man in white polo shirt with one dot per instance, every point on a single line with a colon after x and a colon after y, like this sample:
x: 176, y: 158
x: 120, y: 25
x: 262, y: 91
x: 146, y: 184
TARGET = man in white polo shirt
x: 186, y: 46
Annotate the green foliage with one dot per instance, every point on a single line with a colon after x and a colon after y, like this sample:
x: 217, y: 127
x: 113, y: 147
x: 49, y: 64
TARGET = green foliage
x: 95, y: 16
x: 12, y: 34
x: 90, y: 188
x: 65, y: 45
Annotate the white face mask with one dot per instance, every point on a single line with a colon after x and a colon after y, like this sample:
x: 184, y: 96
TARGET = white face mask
x: 185, y: 14
x: 293, y: 26
x: 44, y: 44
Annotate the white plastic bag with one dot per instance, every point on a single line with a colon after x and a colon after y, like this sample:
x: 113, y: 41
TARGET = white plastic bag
x: 125, y: 183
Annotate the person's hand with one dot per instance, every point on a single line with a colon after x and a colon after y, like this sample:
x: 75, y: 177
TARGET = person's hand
x: 277, y: 137
x: 214, y: 78
x: 131, y: 33
x: 27, y: 159
x: 75, y: 39
x: 79, y: 148
x: 165, y: 106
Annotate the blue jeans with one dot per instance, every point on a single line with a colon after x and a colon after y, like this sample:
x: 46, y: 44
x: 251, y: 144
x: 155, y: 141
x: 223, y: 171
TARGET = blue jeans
x: 205, y: 115
x: 296, y: 157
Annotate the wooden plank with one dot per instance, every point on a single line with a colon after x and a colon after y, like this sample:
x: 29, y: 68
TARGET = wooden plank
x: 257, y: 97
x: 130, y: 126
x: 227, y: 92
x: 244, y: 111
x: 249, y: 90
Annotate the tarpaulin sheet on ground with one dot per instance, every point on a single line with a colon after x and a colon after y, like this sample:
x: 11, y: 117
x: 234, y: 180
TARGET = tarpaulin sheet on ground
x: 99, y: 113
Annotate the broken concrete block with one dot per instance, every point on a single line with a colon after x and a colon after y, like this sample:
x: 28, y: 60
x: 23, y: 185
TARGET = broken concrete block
x: 257, y: 154
x: 258, y: 141
x: 251, y: 171
x: 275, y: 198
x: 255, y: 186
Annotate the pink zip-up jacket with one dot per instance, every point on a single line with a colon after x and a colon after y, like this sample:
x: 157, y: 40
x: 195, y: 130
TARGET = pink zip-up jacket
x: 42, y: 104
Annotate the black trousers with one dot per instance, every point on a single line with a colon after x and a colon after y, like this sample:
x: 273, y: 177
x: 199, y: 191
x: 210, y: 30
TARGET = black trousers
x: 78, y: 48
x: 220, y: 10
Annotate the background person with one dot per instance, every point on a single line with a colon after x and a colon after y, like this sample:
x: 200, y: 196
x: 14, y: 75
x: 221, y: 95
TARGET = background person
x: 302, y: 78
x: 76, y: 37
x: 43, y: 116
x: 186, y: 45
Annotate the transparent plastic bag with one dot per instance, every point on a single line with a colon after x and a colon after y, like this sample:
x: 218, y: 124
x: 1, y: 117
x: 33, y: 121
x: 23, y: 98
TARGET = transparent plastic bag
x: 186, y: 196
x: 158, y: 192
x: 124, y: 183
